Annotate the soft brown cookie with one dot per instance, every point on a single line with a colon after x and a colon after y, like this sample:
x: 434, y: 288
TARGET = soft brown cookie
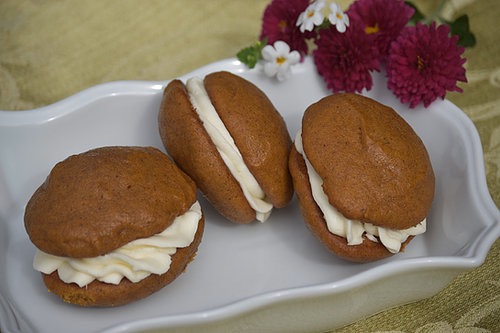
x: 132, y: 192
x: 374, y: 167
x: 97, y: 201
x: 365, y: 252
x: 257, y: 129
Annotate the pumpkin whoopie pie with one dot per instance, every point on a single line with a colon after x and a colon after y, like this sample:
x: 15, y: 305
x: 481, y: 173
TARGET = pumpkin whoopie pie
x: 225, y: 133
x: 363, y: 177
x: 113, y: 225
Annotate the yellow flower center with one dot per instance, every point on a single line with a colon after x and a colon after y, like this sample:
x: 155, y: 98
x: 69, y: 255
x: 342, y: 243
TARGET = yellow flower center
x: 280, y: 60
x: 372, y: 30
x: 310, y: 13
x: 420, y: 63
x: 282, y: 25
x: 339, y: 16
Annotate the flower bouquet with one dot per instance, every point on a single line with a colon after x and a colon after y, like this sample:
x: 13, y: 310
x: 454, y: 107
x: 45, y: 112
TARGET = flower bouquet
x: 421, y: 56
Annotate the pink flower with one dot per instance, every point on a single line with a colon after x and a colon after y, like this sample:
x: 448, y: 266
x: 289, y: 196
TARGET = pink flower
x: 384, y: 19
x: 424, y: 63
x: 279, y: 22
x: 345, y: 60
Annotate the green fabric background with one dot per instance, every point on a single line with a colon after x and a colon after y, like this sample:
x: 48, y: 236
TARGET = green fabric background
x: 52, y: 49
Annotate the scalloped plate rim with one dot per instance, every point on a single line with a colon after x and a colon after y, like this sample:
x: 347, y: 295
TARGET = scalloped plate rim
x: 474, y: 258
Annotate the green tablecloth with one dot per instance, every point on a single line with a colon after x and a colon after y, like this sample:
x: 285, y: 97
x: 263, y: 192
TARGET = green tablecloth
x: 52, y: 49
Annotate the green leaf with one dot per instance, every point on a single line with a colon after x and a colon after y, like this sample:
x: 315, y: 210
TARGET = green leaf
x: 417, y: 15
x: 252, y: 54
x: 461, y: 28
x: 249, y: 56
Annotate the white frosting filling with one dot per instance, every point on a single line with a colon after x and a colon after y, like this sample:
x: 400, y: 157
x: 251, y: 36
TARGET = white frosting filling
x: 227, y: 148
x: 353, y: 230
x: 135, y: 260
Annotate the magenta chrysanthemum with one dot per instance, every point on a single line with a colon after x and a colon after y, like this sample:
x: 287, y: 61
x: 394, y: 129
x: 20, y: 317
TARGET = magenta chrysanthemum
x: 345, y: 60
x: 384, y: 19
x: 424, y: 63
x: 279, y: 23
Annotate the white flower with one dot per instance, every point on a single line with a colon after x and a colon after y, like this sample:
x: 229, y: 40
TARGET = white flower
x: 338, y: 18
x: 311, y: 17
x: 279, y: 60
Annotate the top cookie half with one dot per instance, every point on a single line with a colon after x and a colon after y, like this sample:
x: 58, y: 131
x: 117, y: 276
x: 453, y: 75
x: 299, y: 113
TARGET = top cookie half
x: 373, y: 165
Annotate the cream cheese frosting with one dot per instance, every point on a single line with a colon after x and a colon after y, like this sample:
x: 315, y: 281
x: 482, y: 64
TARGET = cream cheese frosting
x: 353, y: 230
x: 227, y: 148
x: 134, y: 261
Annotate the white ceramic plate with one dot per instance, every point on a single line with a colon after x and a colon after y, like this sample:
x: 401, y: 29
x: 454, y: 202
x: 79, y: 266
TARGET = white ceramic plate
x: 270, y: 277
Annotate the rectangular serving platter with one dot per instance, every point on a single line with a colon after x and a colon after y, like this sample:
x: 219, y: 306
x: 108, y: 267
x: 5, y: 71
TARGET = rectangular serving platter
x: 266, y: 277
